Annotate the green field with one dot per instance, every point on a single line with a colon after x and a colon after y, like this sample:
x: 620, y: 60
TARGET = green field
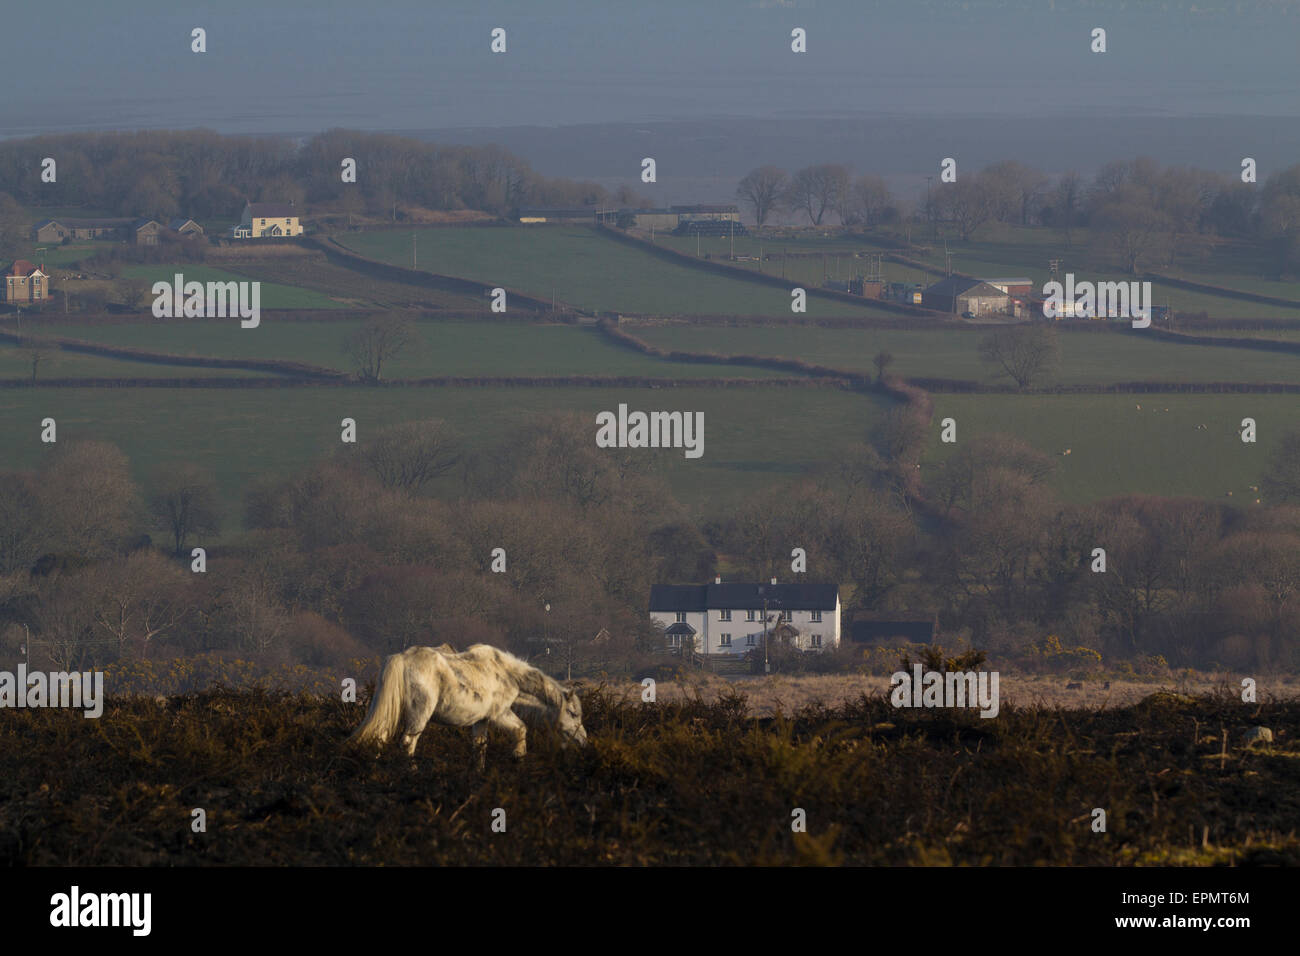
x: 1017, y: 251
x: 274, y: 295
x: 15, y: 362
x: 1117, y: 448
x: 578, y: 266
x: 807, y: 261
x: 447, y: 348
x: 350, y: 288
x: 753, y: 436
x: 1086, y: 358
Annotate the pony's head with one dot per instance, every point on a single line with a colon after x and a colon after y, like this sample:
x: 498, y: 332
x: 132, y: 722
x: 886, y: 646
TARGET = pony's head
x: 569, y: 722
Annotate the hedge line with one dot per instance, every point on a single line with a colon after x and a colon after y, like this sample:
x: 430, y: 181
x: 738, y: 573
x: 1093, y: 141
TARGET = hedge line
x: 341, y: 255
x: 624, y: 338
x: 293, y: 369
x: 748, y: 275
x: 1224, y: 291
x: 483, y: 381
x: 982, y: 388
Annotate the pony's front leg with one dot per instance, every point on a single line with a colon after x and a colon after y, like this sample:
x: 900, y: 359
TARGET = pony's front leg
x: 479, y: 732
x: 509, y: 722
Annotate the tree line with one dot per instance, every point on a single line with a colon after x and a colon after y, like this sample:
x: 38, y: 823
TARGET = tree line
x: 394, y: 541
x: 1145, y: 216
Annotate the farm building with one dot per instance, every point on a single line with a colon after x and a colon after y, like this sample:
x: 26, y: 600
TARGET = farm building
x: 185, y: 227
x: 557, y: 214
x: 267, y: 220
x: 662, y: 219
x: 717, y: 212
x: 729, y: 618
x: 957, y: 295
x: 145, y: 232
x: 56, y: 230
x: 1016, y: 288
x: 25, y: 283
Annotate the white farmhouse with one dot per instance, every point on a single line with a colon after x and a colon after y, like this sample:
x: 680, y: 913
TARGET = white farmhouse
x: 729, y: 618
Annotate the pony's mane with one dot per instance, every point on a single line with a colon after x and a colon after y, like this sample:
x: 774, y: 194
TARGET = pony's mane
x: 533, y: 681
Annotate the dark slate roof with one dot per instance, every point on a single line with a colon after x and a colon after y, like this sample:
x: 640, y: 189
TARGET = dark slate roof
x: 144, y: 221
x: 743, y: 596
x: 176, y: 224
x: 45, y: 222
x: 685, y: 629
x: 677, y: 597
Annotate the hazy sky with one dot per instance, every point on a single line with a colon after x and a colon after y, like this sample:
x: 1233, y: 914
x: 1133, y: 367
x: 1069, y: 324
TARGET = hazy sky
x: 299, y: 67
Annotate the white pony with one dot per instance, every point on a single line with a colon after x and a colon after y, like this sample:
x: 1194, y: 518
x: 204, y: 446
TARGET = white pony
x: 473, y: 689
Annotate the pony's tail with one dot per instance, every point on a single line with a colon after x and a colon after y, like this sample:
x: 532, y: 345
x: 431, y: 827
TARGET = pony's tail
x: 385, y: 707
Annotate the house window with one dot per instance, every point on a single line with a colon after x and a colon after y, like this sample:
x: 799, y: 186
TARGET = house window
x: 750, y: 640
x: 724, y: 615
x: 726, y: 640
x: 787, y: 615
x: 681, y: 617
x: 751, y: 615
x: 816, y: 640
x: 674, y: 640
x: 816, y: 617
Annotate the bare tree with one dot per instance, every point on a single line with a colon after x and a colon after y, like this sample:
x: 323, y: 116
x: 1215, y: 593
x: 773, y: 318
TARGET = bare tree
x: 1132, y: 227
x: 1026, y: 353
x: 867, y: 201
x: 186, y: 503
x: 818, y: 189
x: 23, y: 533
x: 409, y: 455
x: 139, y: 599
x: 882, y: 361
x: 968, y: 204
x: 764, y: 189
x: 89, y: 498
x: 378, y: 342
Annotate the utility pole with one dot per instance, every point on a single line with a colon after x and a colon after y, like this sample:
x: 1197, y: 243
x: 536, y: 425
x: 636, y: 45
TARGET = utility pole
x: 929, y: 212
x: 414, y: 261
x: 733, y: 240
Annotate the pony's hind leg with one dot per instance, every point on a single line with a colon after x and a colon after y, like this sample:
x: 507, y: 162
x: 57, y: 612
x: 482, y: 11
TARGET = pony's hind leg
x: 418, y: 712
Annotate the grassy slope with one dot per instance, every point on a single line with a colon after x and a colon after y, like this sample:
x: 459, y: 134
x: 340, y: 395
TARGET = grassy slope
x: 752, y: 435
x: 1086, y: 358
x: 1117, y: 448
x: 274, y: 295
x: 584, y: 269
x: 448, y: 348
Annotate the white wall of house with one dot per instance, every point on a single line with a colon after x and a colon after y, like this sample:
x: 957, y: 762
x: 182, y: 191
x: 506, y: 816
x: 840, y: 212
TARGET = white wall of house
x: 736, y: 632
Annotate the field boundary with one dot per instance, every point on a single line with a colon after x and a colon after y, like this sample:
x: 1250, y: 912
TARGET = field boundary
x: 278, y: 366
x: 339, y: 254
x: 748, y: 275
x: 558, y: 381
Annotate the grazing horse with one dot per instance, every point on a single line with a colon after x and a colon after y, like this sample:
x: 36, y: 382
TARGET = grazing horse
x: 473, y: 689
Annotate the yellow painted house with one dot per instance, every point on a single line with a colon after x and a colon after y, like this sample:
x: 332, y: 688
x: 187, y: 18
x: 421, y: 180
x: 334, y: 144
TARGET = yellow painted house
x: 267, y: 220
